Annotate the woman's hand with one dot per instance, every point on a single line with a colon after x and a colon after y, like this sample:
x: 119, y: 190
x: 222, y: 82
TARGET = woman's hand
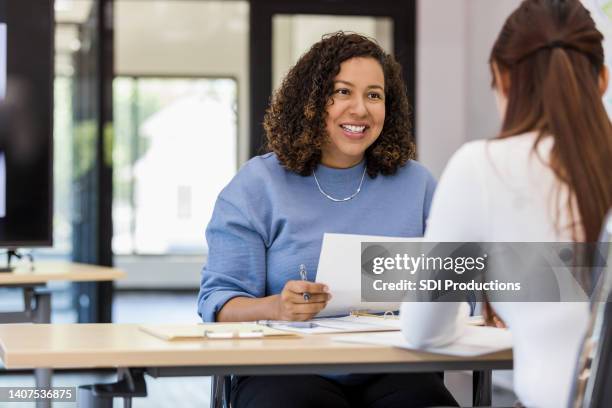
x: 291, y: 304
x: 491, y: 318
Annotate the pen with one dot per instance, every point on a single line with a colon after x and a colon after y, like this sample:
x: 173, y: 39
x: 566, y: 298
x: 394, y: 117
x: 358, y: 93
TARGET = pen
x: 304, y: 278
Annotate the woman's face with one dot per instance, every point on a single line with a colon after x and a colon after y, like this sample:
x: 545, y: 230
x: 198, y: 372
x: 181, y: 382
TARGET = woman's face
x: 356, y: 112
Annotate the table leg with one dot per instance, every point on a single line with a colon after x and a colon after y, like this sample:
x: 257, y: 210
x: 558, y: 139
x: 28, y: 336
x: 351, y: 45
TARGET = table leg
x: 42, y: 314
x: 42, y: 311
x: 482, y: 388
x: 43, y: 380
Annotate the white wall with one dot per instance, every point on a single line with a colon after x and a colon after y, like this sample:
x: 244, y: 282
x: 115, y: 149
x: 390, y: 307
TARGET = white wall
x: 454, y: 98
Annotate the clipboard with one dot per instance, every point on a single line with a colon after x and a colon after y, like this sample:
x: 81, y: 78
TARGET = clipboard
x: 214, y: 331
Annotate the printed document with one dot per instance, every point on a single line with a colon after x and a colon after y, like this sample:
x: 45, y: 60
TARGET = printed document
x: 340, y: 269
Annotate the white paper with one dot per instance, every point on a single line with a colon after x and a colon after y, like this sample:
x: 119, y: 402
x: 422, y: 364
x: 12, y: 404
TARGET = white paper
x: 340, y: 269
x: 346, y: 324
x: 475, y: 341
x: 3, y: 57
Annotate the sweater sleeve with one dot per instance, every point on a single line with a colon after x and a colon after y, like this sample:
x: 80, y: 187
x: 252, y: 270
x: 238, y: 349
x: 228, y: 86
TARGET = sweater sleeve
x: 236, y: 264
x: 456, y: 215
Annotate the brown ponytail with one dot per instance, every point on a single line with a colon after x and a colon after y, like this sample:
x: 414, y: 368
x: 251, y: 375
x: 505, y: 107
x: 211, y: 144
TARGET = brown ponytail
x: 554, y: 56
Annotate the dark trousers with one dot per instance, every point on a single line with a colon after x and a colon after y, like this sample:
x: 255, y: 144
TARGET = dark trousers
x: 414, y: 390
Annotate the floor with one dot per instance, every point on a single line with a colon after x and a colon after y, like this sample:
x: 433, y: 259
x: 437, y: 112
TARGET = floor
x: 183, y: 392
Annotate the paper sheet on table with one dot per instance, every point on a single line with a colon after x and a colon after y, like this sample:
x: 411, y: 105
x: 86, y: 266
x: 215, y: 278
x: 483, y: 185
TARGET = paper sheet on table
x: 475, y: 341
x: 340, y: 269
x: 356, y: 324
x: 345, y: 324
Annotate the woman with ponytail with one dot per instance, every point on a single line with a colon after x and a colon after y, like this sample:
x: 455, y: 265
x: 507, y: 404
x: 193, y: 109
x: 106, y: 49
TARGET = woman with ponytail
x: 547, y: 177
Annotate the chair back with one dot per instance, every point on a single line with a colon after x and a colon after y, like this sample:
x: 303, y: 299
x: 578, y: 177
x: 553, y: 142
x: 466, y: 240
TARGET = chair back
x: 592, y: 387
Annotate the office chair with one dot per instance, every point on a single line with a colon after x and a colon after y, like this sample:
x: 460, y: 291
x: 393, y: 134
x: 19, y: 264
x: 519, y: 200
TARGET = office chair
x: 592, y: 386
x: 220, y: 388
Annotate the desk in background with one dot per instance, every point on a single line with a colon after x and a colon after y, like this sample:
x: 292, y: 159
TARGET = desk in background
x: 135, y: 353
x: 37, y: 300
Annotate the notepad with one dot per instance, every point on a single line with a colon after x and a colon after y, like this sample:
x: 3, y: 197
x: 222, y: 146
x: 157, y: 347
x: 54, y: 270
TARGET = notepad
x: 214, y: 331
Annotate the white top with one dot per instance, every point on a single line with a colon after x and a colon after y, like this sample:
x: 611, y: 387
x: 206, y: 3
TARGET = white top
x: 496, y: 191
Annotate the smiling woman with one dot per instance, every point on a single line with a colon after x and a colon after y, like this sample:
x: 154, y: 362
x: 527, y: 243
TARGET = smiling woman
x: 345, y: 80
x: 341, y: 112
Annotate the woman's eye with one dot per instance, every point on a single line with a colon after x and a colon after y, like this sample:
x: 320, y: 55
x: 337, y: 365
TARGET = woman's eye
x: 374, y: 95
x: 343, y: 91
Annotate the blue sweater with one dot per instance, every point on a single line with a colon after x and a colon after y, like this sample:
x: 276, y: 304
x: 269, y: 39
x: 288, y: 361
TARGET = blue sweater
x: 269, y: 220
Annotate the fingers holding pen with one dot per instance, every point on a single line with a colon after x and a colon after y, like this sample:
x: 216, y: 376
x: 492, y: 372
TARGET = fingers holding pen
x: 299, y: 298
x: 294, y: 292
x: 293, y: 305
x: 306, y: 287
x: 308, y: 292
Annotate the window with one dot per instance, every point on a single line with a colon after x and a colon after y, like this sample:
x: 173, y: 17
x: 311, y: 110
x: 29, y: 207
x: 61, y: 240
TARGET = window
x: 174, y: 150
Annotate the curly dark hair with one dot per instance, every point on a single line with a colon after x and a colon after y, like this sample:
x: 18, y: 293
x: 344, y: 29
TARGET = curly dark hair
x: 295, y: 120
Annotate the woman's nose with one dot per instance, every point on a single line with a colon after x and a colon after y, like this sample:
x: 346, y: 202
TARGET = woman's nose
x: 358, y: 107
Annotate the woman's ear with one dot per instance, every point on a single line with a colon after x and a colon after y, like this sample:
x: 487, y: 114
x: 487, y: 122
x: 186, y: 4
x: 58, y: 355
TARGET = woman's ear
x: 604, y: 78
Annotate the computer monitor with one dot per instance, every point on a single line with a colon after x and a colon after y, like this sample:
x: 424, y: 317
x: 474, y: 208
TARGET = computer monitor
x: 26, y: 112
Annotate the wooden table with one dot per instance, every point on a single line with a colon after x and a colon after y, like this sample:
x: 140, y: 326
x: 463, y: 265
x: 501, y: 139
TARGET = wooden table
x: 58, y: 271
x: 134, y: 352
x: 37, y: 301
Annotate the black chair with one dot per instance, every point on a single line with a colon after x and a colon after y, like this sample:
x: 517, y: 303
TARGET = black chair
x: 600, y: 386
x: 220, y: 388
x: 593, y: 379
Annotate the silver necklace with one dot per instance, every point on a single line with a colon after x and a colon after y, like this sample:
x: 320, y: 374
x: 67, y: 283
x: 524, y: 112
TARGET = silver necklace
x: 339, y: 200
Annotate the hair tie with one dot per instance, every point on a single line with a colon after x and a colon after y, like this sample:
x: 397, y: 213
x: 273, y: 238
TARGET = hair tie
x: 548, y: 46
x: 556, y: 44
